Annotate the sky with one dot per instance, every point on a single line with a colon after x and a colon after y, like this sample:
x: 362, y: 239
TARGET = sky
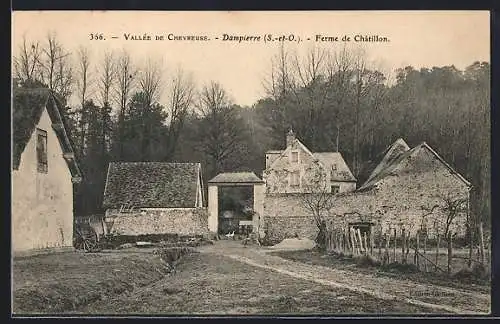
x: 419, y: 39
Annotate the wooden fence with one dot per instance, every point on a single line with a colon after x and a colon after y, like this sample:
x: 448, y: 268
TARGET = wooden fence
x: 402, y: 247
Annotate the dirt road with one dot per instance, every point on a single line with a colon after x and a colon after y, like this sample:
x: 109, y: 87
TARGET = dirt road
x: 439, y: 298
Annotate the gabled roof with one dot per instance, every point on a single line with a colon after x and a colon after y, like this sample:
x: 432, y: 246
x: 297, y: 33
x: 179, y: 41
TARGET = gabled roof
x: 152, y: 185
x: 326, y: 159
x: 334, y: 162
x: 390, y: 154
x: 28, y: 105
x: 236, y: 177
x: 396, y: 160
x: 284, y: 152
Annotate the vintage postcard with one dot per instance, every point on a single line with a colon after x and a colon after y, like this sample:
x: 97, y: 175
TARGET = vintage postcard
x: 281, y: 163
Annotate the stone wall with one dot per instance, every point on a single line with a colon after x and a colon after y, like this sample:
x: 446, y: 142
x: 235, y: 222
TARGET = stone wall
x: 181, y: 221
x: 401, y: 199
x: 42, y: 203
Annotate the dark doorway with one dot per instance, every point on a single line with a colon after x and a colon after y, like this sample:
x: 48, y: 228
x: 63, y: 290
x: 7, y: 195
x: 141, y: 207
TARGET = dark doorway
x: 364, y: 227
x: 235, y: 205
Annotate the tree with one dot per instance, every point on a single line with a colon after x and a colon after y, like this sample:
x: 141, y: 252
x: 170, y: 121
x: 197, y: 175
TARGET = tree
x: 141, y: 122
x: 56, y: 70
x: 150, y: 84
x: 221, y: 129
x: 27, y: 62
x: 126, y: 74
x: 84, y: 83
x: 181, y: 98
x: 318, y: 199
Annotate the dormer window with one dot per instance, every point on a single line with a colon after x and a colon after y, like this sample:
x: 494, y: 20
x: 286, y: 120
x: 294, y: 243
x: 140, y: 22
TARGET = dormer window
x: 41, y: 150
x: 294, y: 157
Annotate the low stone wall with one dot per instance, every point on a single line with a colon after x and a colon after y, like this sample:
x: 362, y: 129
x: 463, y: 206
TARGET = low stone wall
x: 181, y: 221
x: 286, y: 216
x: 401, y: 199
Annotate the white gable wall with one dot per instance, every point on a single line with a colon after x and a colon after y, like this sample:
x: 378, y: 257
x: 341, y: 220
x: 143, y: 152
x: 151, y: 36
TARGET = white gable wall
x: 42, y: 203
x: 277, y: 176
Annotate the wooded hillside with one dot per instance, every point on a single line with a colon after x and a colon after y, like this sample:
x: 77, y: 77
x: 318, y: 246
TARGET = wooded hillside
x: 337, y: 99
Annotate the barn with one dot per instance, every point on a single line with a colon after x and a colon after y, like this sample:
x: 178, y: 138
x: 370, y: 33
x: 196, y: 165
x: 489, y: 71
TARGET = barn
x: 142, y: 198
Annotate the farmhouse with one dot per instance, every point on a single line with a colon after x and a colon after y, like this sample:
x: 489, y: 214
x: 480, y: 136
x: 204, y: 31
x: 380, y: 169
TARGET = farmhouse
x: 155, y: 198
x: 44, y: 170
x: 294, y: 170
x: 407, y: 188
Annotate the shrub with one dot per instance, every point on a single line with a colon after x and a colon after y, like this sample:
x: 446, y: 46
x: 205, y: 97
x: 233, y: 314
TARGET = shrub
x: 367, y: 261
x: 476, y: 272
x: 400, y: 267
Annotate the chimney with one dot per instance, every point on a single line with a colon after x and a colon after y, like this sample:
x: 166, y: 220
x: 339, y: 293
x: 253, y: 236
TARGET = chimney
x: 290, y: 137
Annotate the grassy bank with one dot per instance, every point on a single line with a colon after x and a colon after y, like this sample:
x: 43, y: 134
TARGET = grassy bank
x: 65, y: 282
x: 392, y: 270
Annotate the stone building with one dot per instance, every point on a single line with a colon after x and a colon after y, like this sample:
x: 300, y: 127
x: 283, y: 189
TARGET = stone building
x: 297, y: 170
x: 43, y: 172
x: 407, y: 188
x: 155, y: 198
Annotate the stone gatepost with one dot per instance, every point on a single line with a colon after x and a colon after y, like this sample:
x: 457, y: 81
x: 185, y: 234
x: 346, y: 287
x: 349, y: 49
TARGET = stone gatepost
x: 258, y: 208
x: 213, y: 208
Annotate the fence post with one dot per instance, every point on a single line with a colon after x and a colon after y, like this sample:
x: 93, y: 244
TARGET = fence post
x: 353, y: 240
x: 437, y: 250
x: 365, y: 242
x: 380, y: 244
x: 417, y: 263
x: 481, y: 242
x: 403, y: 243
x: 425, y: 251
x: 372, y: 241
x: 394, y: 247
x: 408, y: 244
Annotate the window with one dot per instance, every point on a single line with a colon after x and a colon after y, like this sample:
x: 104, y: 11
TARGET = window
x: 41, y: 150
x: 295, y: 157
x: 295, y: 179
x: 335, y: 189
x: 333, y: 171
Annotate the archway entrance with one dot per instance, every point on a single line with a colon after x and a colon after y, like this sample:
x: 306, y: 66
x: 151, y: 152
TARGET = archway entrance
x: 217, y: 221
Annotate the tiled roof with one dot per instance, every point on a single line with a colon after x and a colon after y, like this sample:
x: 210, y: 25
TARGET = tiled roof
x: 236, y: 177
x: 334, y: 162
x: 387, y: 157
x: 28, y: 105
x: 151, y: 185
x: 397, y: 157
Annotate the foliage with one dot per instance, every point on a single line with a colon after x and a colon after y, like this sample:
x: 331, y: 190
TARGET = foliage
x: 334, y: 100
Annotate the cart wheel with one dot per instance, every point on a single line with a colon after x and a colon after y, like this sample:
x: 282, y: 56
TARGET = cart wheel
x: 86, y: 239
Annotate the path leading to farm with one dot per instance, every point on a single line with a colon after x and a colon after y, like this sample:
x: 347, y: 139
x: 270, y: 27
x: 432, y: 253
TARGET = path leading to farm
x: 439, y: 298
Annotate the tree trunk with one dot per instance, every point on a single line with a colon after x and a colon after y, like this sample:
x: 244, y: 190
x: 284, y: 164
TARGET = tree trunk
x: 450, y: 253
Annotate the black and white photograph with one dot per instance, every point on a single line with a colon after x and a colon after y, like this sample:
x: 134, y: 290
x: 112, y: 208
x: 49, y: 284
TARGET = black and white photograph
x: 250, y: 163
